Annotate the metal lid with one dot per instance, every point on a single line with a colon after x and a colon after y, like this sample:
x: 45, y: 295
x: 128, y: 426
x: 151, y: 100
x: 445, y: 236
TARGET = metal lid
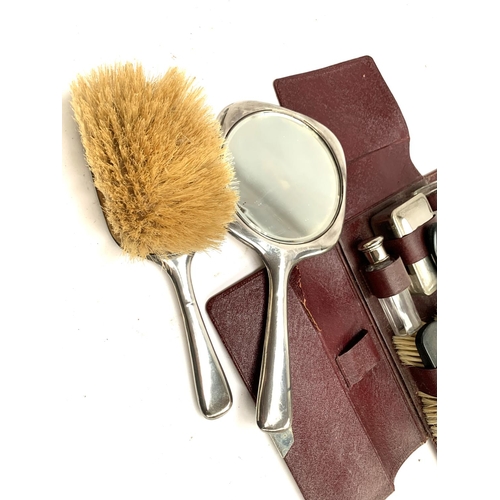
x: 374, y: 250
x: 403, y: 218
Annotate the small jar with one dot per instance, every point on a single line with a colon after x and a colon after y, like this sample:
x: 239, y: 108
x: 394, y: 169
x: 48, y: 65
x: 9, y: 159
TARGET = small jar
x: 389, y: 282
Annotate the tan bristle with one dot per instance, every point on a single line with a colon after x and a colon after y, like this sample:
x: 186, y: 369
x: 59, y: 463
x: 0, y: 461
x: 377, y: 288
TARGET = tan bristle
x: 408, y: 354
x: 157, y: 157
x: 429, y: 406
x: 407, y: 350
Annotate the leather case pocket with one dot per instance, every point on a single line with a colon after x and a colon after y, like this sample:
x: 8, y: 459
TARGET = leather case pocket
x: 333, y: 456
x: 358, y: 359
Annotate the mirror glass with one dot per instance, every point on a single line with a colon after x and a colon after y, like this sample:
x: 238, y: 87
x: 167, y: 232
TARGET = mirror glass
x: 288, y: 178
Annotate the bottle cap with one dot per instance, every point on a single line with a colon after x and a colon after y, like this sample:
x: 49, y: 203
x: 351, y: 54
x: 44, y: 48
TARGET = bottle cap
x: 374, y: 250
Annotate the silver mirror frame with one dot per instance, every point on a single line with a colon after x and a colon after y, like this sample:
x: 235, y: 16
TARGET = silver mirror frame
x: 274, y: 409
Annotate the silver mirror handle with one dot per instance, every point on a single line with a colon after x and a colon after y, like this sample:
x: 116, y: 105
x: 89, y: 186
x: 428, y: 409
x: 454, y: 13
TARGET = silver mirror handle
x: 212, y: 389
x: 274, y: 405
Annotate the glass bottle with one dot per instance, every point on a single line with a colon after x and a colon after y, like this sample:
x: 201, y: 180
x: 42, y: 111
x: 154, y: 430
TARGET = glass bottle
x: 399, y: 308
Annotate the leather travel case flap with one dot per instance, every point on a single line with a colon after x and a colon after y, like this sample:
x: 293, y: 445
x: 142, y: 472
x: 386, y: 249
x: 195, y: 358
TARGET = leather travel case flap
x: 356, y: 414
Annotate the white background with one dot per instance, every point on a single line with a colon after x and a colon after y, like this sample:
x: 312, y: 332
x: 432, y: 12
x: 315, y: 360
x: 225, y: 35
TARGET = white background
x: 96, y: 398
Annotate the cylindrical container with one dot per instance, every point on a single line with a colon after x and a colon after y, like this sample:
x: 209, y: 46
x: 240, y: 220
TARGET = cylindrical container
x: 404, y: 225
x: 389, y: 282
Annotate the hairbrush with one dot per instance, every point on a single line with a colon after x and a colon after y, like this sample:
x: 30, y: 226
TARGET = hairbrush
x: 165, y: 184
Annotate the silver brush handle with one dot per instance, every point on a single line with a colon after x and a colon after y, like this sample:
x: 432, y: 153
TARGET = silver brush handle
x: 212, y: 388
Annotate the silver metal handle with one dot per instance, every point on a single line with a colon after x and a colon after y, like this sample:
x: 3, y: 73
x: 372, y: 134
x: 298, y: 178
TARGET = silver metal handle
x: 212, y: 388
x: 274, y: 404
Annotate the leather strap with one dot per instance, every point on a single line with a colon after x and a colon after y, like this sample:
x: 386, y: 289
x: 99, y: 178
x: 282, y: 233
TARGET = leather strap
x: 388, y: 281
x: 412, y: 247
x: 426, y: 379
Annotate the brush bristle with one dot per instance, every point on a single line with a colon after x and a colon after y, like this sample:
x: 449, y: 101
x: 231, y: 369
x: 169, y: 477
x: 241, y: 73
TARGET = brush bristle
x: 429, y: 406
x: 407, y: 350
x: 408, y: 354
x: 158, y: 160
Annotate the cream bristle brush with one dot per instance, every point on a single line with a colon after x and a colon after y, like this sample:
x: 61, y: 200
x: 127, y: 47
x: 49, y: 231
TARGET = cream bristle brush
x: 165, y: 184
x: 407, y: 347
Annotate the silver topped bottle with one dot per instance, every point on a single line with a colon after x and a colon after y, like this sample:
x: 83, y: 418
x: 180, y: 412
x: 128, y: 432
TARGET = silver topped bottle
x: 399, y: 308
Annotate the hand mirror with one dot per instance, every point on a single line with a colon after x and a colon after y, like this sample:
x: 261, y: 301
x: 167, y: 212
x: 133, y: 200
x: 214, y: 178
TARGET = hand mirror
x: 291, y: 173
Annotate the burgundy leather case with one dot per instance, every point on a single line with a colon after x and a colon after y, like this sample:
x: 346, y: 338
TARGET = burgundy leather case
x: 356, y: 413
